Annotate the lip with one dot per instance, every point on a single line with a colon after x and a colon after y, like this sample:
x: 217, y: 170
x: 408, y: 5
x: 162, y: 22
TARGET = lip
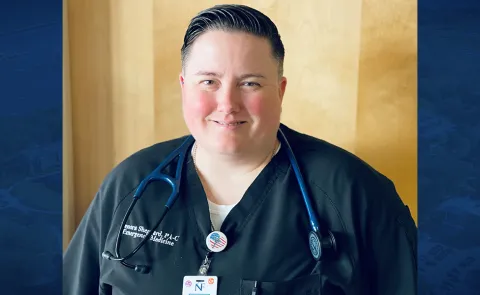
x: 230, y: 124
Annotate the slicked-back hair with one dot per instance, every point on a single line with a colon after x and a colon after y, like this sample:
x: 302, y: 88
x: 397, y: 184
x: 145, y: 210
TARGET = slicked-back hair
x: 234, y: 18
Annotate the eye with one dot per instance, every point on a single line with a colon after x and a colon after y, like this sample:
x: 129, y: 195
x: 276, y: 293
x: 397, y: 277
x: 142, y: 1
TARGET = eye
x: 207, y: 82
x: 251, y: 84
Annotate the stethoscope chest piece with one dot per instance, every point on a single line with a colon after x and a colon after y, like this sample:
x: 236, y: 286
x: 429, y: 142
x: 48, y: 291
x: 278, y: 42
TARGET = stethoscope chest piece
x: 315, y: 245
x: 318, y: 244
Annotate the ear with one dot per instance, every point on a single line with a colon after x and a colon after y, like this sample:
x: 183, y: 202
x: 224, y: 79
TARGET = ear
x: 181, y: 79
x: 182, y: 84
x: 282, y: 87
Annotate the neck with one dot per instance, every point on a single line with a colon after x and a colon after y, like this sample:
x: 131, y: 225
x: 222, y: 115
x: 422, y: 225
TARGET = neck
x: 219, y: 165
x: 225, y: 178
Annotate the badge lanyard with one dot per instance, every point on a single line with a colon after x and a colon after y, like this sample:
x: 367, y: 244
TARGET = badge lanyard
x: 216, y: 242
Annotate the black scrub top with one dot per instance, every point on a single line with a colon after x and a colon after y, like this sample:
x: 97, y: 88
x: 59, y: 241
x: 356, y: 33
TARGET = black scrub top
x: 267, y: 230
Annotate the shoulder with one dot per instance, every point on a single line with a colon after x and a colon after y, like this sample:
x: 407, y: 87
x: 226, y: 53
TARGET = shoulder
x: 344, y: 178
x: 128, y: 174
x: 324, y: 160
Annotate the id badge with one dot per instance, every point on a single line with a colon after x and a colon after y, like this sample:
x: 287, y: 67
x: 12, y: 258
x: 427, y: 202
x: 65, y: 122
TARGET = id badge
x: 200, y: 285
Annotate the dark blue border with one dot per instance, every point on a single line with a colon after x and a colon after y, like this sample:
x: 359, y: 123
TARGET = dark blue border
x: 449, y: 147
x: 30, y: 147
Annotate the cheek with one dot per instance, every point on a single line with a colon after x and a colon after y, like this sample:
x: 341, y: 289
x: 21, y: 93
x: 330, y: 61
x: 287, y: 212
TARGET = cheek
x: 197, y: 105
x: 263, y: 107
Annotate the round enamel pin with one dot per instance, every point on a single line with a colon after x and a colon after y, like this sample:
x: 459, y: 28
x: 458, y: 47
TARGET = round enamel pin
x: 216, y: 241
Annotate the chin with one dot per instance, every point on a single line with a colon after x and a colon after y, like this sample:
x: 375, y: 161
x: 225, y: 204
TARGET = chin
x: 217, y: 144
x: 226, y: 148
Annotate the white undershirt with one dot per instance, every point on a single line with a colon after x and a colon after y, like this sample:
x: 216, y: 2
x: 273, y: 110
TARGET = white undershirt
x: 218, y: 213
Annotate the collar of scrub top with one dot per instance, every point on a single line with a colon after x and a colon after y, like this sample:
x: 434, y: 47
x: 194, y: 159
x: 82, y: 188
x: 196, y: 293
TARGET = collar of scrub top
x: 194, y: 194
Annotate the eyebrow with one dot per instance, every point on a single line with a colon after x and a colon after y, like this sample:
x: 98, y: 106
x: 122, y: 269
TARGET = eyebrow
x: 244, y: 76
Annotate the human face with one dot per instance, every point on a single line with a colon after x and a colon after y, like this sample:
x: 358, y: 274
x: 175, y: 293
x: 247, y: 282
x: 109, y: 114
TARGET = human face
x: 231, y: 92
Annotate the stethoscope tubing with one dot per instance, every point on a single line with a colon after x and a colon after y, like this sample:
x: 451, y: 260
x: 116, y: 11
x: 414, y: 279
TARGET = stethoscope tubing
x: 181, y: 153
x: 303, y: 188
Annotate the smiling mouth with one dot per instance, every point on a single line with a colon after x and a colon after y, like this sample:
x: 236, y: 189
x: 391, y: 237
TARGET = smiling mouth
x: 230, y: 124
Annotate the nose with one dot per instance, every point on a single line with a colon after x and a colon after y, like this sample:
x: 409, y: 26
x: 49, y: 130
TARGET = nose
x: 228, y: 100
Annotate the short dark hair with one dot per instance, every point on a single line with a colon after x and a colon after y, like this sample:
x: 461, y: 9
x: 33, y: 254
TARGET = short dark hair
x: 231, y: 18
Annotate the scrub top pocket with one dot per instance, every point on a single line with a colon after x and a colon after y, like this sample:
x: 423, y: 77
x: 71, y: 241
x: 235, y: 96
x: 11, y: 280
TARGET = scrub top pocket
x: 307, y: 285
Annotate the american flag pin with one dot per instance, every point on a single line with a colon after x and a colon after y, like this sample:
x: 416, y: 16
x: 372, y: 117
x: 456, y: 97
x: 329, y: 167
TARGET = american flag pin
x: 216, y: 241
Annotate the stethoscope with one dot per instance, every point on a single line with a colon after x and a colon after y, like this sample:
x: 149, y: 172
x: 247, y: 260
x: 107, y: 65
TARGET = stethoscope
x: 317, y: 242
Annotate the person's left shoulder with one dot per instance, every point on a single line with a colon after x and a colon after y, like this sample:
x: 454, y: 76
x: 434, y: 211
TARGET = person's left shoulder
x: 344, y: 178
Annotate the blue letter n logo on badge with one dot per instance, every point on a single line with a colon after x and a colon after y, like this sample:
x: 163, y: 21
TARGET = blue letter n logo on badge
x: 199, y: 285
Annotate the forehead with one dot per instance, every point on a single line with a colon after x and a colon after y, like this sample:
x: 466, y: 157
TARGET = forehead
x: 224, y: 51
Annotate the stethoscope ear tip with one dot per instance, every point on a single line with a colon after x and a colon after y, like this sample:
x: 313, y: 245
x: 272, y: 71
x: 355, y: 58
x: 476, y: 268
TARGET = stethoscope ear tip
x: 143, y: 269
x: 107, y: 255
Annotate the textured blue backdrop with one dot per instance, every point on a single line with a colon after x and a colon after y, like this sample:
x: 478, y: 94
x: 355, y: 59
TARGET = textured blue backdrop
x: 449, y: 147
x: 30, y: 147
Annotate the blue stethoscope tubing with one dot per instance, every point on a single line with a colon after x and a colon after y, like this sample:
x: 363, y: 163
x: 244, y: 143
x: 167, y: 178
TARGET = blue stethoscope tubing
x: 316, y: 240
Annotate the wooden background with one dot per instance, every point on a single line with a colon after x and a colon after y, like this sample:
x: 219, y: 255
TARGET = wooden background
x: 351, y: 69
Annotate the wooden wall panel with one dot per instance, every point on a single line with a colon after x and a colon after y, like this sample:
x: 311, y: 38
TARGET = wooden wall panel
x: 387, y: 93
x: 351, y: 69
x: 91, y: 100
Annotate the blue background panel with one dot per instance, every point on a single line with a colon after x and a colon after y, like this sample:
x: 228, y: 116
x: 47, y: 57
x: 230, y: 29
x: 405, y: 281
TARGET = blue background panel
x: 449, y: 147
x: 31, y: 155
x: 30, y: 147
